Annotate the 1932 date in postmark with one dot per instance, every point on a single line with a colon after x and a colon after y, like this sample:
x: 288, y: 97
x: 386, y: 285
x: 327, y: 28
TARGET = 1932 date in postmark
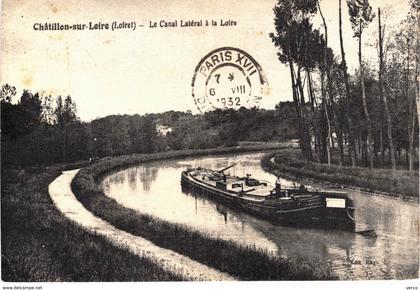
x: 228, y: 78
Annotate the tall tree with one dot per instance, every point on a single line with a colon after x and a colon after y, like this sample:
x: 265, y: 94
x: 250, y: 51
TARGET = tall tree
x: 293, y: 30
x: 411, y: 109
x: 66, y: 117
x: 325, y: 72
x: 352, y: 144
x: 415, y: 7
x: 360, y: 16
x: 382, y: 94
x: 413, y: 32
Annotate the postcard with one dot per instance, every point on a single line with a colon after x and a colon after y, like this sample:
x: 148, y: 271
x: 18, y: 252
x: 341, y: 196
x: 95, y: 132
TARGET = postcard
x: 272, y: 143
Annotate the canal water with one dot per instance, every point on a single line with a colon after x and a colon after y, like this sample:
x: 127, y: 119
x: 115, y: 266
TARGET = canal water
x: 154, y: 188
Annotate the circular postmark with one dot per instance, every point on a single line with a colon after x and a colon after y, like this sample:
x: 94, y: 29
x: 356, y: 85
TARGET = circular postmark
x: 228, y: 78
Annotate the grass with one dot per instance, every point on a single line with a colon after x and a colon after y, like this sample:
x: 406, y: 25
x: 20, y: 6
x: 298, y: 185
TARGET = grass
x: 38, y: 244
x: 398, y: 183
x: 243, y: 262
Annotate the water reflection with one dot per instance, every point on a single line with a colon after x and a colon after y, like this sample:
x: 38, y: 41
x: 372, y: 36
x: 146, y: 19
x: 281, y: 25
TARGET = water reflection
x: 142, y: 176
x: 154, y: 188
x: 147, y: 175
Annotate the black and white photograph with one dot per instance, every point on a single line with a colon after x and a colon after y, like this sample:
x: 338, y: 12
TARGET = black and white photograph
x: 253, y: 143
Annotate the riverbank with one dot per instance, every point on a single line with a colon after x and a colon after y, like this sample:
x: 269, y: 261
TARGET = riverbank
x: 245, y: 263
x: 170, y: 261
x: 399, y: 184
x: 39, y: 244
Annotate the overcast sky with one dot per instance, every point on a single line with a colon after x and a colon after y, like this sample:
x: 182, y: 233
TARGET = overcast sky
x: 147, y: 70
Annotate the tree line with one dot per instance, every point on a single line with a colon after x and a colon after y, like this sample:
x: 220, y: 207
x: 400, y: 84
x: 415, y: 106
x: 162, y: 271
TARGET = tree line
x: 363, y: 119
x: 39, y: 130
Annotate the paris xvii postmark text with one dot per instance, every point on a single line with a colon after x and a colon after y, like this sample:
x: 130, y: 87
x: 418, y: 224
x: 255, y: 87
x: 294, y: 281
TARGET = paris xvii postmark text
x: 228, y: 78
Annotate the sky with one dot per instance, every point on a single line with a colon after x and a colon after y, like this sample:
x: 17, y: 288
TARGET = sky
x: 149, y: 70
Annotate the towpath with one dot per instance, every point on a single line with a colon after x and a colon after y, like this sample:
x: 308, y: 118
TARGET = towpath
x: 66, y: 202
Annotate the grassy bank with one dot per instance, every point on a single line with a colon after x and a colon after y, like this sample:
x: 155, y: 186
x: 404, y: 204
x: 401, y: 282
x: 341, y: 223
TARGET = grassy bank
x: 245, y: 263
x: 38, y: 244
x: 395, y: 183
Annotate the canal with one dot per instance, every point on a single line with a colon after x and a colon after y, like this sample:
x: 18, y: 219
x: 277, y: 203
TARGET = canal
x: 154, y: 188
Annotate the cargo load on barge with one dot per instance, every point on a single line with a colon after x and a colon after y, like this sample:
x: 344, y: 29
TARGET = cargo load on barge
x: 297, y: 206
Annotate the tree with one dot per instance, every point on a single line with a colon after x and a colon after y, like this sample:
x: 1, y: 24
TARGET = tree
x: 31, y: 107
x: 7, y: 93
x: 383, y: 95
x: 352, y: 146
x: 405, y: 65
x: 9, y: 112
x: 66, y: 118
x: 325, y: 71
x: 47, y: 111
x: 149, y: 135
x: 412, y: 28
x: 339, y: 106
x: 360, y: 16
x: 415, y: 7
x: 293, y: 32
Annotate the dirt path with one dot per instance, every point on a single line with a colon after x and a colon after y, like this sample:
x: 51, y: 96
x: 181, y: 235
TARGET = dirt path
x: 67, y: 203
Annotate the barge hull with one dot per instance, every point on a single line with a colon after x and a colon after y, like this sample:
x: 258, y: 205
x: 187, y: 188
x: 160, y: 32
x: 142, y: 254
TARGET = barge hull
x: 318, y: 216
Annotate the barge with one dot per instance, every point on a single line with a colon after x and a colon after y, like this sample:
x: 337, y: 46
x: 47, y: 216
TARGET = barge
x: 296, y: 206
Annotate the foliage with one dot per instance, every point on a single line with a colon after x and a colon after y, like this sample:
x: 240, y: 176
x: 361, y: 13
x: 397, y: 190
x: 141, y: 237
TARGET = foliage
x: 47, y: 130
x: 347, y: 112
x: 361, y: 15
